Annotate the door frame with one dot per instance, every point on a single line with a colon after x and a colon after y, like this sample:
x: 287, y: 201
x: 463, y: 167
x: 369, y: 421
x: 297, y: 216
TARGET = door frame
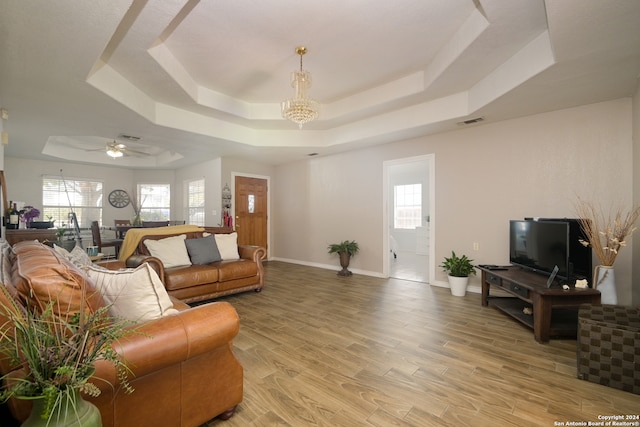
x: 233, y: 204
x: 431, y: 161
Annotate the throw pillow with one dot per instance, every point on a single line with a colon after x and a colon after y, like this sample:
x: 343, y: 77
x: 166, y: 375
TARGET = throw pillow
x: 136, y: 294
x: 77, y: 256
x: 171, y: 250
x: 203, y: 251
x: 228, y: 245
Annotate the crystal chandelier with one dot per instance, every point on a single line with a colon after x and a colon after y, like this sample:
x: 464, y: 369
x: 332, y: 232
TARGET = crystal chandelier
x: 300, y: 109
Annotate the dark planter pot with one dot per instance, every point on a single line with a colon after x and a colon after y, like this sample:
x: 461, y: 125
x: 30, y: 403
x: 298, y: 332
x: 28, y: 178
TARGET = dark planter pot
x: 345, y: 258
x: 67, y: 244
x: 40, y: 224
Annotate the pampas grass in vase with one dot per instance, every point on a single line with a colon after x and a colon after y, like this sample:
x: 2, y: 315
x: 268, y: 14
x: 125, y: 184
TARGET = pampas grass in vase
x: 607, y: 232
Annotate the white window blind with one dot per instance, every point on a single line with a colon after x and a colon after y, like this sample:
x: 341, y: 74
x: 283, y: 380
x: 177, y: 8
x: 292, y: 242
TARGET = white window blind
x: 60, y: 197
x: 407, y: 202
x: 195, y: 202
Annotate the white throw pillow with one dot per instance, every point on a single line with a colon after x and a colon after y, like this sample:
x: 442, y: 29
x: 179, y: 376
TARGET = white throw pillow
x: 228, y: 245
x: 77, y: 256
x: 171, y: 250
x: 136, y: 294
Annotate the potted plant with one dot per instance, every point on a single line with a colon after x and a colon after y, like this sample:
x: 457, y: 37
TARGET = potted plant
x: 57, y: 355
x: 458, y: 269
x: 68, y: 244
x: 28, y: 214
x: 345, y: 250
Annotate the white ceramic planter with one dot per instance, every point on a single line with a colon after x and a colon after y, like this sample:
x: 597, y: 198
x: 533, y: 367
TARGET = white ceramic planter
x: 458, y: 285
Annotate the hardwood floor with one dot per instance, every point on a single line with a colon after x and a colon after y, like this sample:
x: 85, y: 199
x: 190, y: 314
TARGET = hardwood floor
x: 324, y: 350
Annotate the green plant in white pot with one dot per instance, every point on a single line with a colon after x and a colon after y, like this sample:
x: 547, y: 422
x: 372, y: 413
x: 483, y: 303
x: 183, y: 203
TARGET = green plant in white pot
x: 458, y: 268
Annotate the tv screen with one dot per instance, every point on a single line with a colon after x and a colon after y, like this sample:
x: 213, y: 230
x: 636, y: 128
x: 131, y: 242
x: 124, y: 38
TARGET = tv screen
x: 540, y: 246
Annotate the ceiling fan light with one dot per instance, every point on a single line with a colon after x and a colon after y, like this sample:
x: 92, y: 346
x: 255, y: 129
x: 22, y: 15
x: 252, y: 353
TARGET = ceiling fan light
x: 115, y: 153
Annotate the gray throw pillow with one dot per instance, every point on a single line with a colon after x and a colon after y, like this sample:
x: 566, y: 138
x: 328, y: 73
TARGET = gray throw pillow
x: 203, y: 251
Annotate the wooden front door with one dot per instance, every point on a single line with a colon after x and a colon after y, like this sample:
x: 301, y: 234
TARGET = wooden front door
x: 251, y: 211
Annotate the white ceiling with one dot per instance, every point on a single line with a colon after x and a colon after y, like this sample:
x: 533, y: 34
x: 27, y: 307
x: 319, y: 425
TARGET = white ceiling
x: 198, y: 79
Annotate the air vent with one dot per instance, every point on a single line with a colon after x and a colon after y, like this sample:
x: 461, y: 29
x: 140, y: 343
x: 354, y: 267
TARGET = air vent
x: 129, y: 137
x: 471, y: 121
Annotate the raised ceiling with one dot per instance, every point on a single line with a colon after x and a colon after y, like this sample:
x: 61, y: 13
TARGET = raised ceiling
x: 198, y: 79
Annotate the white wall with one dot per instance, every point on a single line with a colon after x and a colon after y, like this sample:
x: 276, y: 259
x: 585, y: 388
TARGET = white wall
x: 485, y: 175
x: 24, y: 182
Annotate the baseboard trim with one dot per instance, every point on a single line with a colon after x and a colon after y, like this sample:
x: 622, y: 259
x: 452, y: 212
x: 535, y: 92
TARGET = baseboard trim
x: 328, y: 267
x: 442, y: 284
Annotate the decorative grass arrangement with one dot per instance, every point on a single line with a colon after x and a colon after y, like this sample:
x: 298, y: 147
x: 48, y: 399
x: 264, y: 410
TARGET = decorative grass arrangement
x: 606, y: 232
x: 56, y: 353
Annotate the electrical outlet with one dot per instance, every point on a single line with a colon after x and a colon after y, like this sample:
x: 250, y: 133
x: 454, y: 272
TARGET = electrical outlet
x: 476, y: 246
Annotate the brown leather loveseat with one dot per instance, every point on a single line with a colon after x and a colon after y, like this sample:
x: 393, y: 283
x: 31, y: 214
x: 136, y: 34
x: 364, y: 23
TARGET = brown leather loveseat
x: 200, y: 282
x: 182, y: 366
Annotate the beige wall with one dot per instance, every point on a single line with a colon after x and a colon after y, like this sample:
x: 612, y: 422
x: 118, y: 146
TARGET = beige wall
x: 210, y: 171
x: 484, y: 176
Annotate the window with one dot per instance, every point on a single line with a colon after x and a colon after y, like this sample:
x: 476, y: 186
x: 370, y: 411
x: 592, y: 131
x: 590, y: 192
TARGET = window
x: 407, y: 206
x: 155, y: 202
x: 60, y: 195
x: 195, y: 202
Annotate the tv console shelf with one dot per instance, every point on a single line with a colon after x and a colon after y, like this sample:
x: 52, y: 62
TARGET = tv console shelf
x: 554, y: 310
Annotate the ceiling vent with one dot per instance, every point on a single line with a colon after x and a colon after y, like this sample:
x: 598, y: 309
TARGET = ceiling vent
x: 129, y: 137
x: 471, y: 121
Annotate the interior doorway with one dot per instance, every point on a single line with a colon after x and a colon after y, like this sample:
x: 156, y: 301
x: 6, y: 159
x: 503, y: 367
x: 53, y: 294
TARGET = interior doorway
x: 251, y: 210
x: 408, y: 220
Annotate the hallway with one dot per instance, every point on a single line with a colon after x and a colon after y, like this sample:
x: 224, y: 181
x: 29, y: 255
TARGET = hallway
x: 410, y: 266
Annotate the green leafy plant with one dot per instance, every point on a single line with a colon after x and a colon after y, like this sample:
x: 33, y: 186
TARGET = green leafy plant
x: 458, y: 266
x: 60, y: 232
x: 348, y: 247
x: 57, y: 353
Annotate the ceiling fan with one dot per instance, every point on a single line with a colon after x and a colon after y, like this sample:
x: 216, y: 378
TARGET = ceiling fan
x: 116, y: 150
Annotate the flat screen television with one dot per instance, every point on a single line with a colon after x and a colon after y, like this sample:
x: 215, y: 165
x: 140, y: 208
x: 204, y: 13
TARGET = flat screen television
x: 542, y: 244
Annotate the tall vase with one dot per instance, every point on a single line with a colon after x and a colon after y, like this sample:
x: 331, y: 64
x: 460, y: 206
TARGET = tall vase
x: 345, y: 258
x: 73, y: 411
x: 605, y: 282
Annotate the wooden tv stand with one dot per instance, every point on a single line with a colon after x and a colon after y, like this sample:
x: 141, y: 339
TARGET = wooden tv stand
x: 554, y: 309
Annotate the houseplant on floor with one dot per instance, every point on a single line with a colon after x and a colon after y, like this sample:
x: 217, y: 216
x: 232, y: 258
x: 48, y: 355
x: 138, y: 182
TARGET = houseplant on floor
x: 57, y: 355
x: 345, y: 250
x: 458, y: 269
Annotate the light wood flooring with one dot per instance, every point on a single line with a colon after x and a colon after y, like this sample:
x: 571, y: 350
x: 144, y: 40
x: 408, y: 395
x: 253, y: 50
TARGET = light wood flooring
x: 324, y: 350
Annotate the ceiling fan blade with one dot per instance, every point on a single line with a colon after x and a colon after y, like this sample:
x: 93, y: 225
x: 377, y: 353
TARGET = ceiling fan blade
x: 131, y: 150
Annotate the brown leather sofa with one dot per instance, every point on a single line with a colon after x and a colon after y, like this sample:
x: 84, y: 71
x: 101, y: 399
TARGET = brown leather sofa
x: 182, y: 365
x: 203, y: 282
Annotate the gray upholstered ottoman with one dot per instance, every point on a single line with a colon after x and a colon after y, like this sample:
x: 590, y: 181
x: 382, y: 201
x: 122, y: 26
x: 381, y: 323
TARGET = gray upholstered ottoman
x: 609, y: 346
